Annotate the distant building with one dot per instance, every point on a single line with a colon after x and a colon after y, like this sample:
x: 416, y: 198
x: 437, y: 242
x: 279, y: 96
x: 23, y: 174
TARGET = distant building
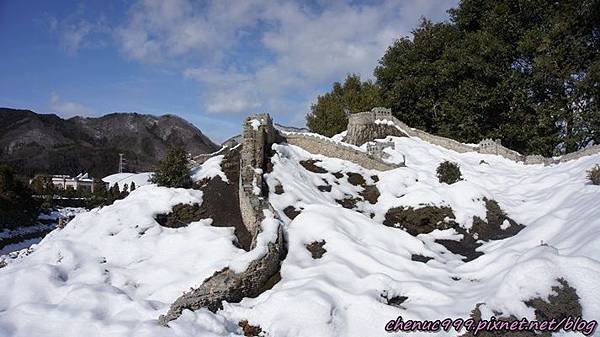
x: 81, y: 182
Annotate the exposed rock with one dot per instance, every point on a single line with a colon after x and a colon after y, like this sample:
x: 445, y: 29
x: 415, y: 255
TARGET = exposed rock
x: 420, y: 258
x: 560, y: 305
x: 370, y: 193
x: 310, y: 166
x: 181, y: 215
x: 324, y: 188
x: 278, y: 189
x: 291, y: 212
x: 270, y: 283
x: 466, y: 246
x: 316, y: 249
x: 348, y: 202
x: 496, y: 218
x: 421, y: 220
x: 355, y: 179
x: 395, y: 301
x: 248, y: 329
x: 338, y: 175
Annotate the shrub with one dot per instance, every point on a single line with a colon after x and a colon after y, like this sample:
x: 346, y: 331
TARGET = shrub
x: 173, y: 170
x: 594, y: 175
x: 181, y: 215
x: 448, y: 172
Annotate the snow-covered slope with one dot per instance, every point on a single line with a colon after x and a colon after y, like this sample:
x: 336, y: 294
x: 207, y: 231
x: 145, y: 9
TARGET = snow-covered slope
x: 113, y: 271
x: 140, y: 179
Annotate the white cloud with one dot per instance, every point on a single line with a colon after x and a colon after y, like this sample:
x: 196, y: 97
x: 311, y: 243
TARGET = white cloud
x: 160, y: 29
x: 67, y: 108
x: 297, y: 48
x: 75, y: 31
x: 74, y: 35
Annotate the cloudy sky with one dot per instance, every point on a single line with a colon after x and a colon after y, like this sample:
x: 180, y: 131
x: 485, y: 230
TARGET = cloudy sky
x: 211, y: 62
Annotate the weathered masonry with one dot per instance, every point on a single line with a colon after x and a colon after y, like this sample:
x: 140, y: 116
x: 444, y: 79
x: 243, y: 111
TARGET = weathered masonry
x: 375, y: 124
x: 258, y: 136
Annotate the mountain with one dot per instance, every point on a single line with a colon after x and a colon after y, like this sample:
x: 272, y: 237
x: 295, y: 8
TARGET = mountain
x: 45, y: 143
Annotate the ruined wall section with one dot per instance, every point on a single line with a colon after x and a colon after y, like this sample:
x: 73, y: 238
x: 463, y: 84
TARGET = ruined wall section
x: 324, y: 146
x: 365, y: 127
x: 226, y: 284
x: 383, y: 119
x: 359, y: 133
x: 258, y: 135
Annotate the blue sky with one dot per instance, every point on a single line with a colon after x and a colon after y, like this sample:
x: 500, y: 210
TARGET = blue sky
x: 210, y: 62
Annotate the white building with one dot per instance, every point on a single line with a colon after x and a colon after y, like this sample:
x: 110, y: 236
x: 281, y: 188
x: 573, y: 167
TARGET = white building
x: 80, y: 182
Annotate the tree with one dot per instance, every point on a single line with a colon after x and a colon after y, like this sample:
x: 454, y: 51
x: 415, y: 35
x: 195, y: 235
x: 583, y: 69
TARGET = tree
x: 447, y: 81
x: 328, y: 117
x: 173, y: 170
x: 523, y: 71
x: 17, y: 206
x: 526, y: 71
x: 132, y: 188
x: 42, y: 185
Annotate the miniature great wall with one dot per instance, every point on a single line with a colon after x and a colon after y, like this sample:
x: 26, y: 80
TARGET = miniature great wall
x: 375, y: 124
x: 258, y: 136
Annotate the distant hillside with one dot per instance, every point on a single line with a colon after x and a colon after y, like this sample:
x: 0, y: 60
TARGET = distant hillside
x: 45, y: 143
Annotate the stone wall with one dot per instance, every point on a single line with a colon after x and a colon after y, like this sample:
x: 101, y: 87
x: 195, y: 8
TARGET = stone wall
x: 227, y: 285
x: 588, y: 151
x: 318, y: 145
x: 379, y: 117
x: 367, y: 126
x: 258, y: 135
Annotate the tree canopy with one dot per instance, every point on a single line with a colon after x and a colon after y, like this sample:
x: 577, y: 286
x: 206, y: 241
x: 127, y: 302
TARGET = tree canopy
x: 328, y: 117
x: 173, y: 170
x: 523, y: 71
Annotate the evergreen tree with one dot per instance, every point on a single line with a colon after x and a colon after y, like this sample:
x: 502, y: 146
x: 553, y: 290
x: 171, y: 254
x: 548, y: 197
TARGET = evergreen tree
x: 524, y: 71
x: 132, y: 188
x: 173, y: 170
x: 17, y: 207
x: 327, y: 116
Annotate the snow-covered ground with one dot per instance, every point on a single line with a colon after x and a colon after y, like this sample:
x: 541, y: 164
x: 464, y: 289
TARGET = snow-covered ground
x: 140, y: 179
x: 113, y: 271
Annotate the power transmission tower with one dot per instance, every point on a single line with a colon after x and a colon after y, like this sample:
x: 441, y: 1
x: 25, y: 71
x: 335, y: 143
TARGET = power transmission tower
x: 122, y: 162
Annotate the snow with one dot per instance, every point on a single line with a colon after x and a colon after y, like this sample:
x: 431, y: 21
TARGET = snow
x: 209, y: 169
x: 140, y: 179
x: 255, y: 123
x: 113, y: 271
x: 385, y: 122
x: 339, y: 137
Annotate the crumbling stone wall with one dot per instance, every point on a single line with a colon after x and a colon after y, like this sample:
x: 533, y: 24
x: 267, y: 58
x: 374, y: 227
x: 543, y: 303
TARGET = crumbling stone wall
x: 319, y: 145
x: 258, y: 136
x: 361, y: 129
x: 367, y: 126
x: 226, y: 285
x: 489, y: 146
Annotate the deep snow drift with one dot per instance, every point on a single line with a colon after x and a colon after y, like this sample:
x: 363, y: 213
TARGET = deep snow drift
x: 113, y: 271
